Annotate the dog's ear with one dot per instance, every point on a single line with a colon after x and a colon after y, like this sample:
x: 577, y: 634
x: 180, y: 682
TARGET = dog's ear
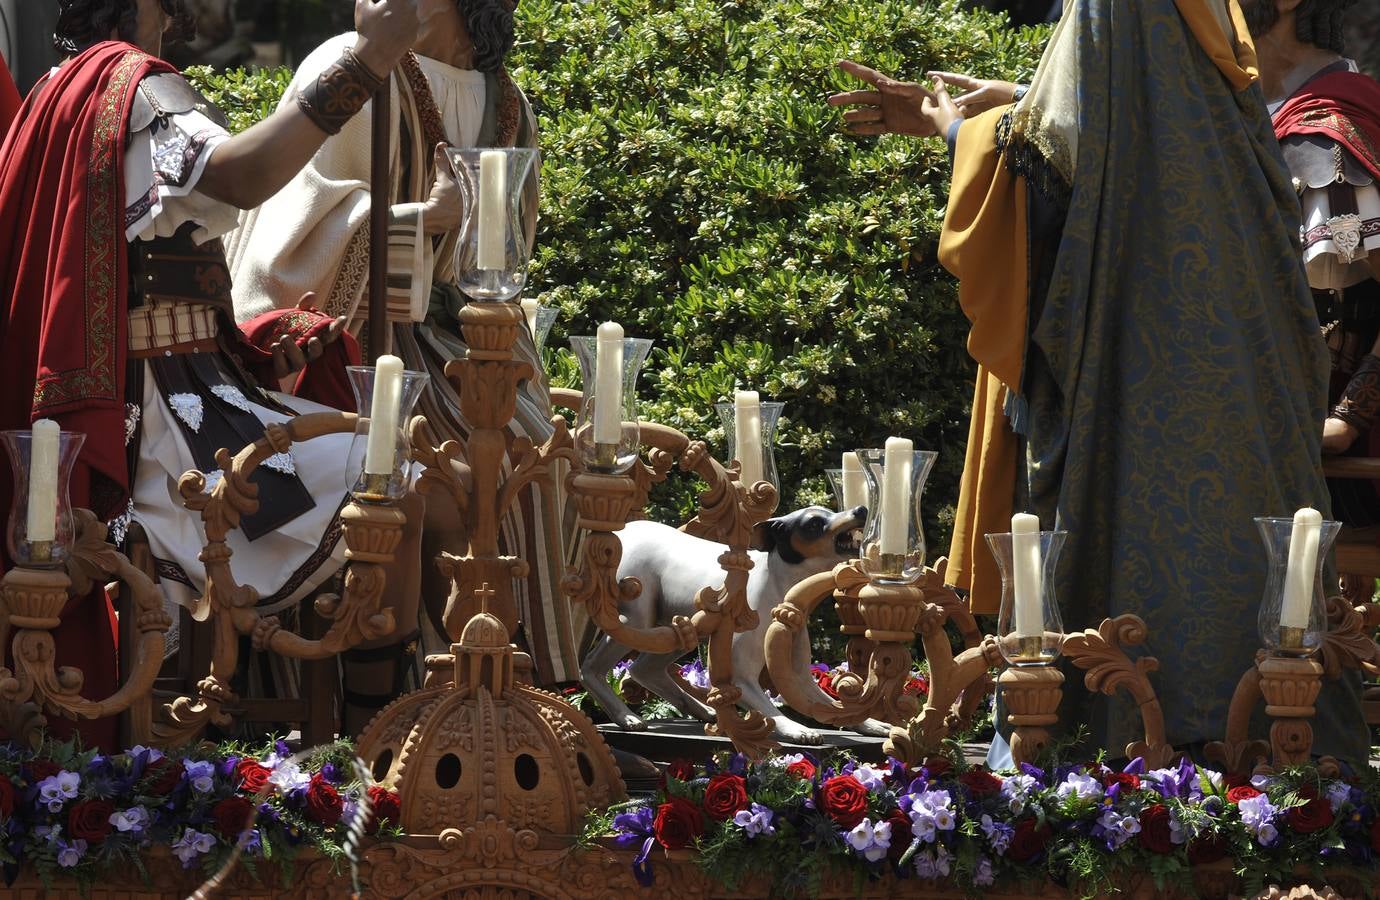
x: 766, y: 535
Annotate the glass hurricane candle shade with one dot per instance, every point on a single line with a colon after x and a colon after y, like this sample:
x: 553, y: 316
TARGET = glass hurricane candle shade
x: 770, y: 417
x: 491, y: 253
x: 1293, y: 611
x: 546, y: 317
x: 379, y: 487
x: 52, y: 535
x: 836, y: 482
x: 597, y: 454
x: 908, y: 564
x: 1030, y: 631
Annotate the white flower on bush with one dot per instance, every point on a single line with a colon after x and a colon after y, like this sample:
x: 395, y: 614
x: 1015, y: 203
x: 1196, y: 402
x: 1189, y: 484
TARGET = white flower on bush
x: 1080, y: 786
x: 870, y: 841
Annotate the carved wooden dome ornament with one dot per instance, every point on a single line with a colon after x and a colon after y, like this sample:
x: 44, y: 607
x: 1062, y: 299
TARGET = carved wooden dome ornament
x: 486, y: 751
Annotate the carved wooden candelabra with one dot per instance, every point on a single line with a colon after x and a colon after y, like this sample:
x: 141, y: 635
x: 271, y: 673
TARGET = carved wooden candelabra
x: 372, y: 532
x: 729, y: 510
x: 32, y: 600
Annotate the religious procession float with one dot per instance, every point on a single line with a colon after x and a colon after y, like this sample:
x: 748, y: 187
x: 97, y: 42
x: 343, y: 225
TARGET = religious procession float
x: 765, y: 773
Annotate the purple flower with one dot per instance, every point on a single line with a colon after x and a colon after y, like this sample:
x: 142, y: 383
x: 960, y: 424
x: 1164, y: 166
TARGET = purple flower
x: 873, y: 779
x: 631, y: 828
x: 330, y: 773
x: 150, y: 754
x: 1016, y: 789
x: 200, y: 775
x: 136, y: 818
x: 192, y: 844
x: 226, y: 768
x: 870, y: 840
x: 251, y: 843
x: 755, y: 820
x: 55, y: 790
x: 1338, y: 795
x: 933, y: 863
x: 998, y: 834
x: 1258, y: 814
x: 1079, y: 786
x: 983, y: 876
x: 1116, y: 828
x: 930, y: 812
x: 696, y: 674
x: 69, y: 855
x: 1033, y: 772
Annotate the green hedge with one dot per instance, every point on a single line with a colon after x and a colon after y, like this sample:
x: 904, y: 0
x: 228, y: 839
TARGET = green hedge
x: 698, y: 189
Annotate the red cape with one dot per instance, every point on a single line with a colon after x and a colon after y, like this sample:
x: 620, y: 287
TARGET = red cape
x: 9, y: 98
x: 64, y: 260
x: 323, y: 381
x: 63, y: 281
x: 1344, y: 106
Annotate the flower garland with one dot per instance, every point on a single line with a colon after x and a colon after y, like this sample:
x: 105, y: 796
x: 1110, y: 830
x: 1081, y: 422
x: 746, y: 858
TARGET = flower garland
x: 1083, y: 826
x: 80, y: 814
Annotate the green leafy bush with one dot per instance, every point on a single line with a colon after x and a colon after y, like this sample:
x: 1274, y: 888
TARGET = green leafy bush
x: 698, y: 189
x: 245, y: 96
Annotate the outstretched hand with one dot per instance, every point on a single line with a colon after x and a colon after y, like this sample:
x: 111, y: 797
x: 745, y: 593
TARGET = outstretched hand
x: 289, y: 357
x: 979, y: 95
x: 895, y: 107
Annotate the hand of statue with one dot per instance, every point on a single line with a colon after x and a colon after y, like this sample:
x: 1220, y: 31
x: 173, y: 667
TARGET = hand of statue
x: 1338, y: 435
x: 894, y: 107
x: 979, y: 95
x: 444, y: 209
x: 289, y: 357
x: 386, y: 28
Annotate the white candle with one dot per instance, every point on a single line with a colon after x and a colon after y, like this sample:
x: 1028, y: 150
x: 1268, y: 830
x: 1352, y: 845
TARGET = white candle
x: 1028, y: 575
x: 529, y: 309
x: 1303, y: 564
x: 383, y: 416
x: 747, y: 435
x: 608, y: 384
x: 43, y: 476
x: 900, y: 456
x: 493, y: 176
x: 854, y: 482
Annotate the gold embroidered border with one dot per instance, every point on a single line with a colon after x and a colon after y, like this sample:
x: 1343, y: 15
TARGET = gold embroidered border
x: 1358, y: 140
x: 97, y: 380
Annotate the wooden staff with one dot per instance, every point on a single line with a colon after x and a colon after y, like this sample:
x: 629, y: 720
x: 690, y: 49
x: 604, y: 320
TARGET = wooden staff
x: 380, y: 200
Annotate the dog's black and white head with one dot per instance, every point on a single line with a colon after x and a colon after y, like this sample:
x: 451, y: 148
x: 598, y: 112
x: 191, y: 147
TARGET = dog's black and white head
x: 810, y: 533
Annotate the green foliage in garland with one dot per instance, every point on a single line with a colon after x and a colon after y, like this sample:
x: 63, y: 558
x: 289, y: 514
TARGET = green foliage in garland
x: 698, y: 189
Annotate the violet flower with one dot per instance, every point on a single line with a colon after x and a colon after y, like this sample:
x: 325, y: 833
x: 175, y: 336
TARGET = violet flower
x: 998, y: 834
x: 201, y: 775
x: 1116, y: 828
x: 192, y: 844
x: 629, y: 829
x: 870, y: 840
x: 756, y: 820
x: 136, y: 818
x: 55, y: 790
x: 69, y: 855
x: 933, y: 863
x: 983, y: 876
x: 1258, y: 814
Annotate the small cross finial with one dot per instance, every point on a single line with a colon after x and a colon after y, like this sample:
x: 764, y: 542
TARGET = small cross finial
x: 485, y: 594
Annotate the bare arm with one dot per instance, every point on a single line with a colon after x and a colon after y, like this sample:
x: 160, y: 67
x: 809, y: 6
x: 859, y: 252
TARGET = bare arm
x: 255, y: 164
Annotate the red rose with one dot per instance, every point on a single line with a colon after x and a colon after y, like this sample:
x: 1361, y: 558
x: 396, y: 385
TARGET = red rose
x: 1315, y: 815
x: 1028, y: 841
x: 1127, y: 780
x: 725, y: 795
x: 1154, y: 829
x: 232, y: 815
x: 252, y: 775
x: 802, y: 769
x: 681, y: 770
x: 162, y: 776
x: 901, y: 835
x: 323, y: 805
x: 844, y: 799
x: 90, y: 820
x: 1241, y: 792
x: 826, y: 684
x: 387, y: 805
x: 40, y: 769
x: 980, y: 783
x: 1204, y: 850
x: 917, y: 687
x: 6, y: 797
x: 938, y: 766
x: 678, y: 822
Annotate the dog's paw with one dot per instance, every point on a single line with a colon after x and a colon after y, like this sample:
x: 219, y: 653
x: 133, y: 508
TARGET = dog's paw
x: 872, y: 728
x: 631, y: 722
x: 795, y: 733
